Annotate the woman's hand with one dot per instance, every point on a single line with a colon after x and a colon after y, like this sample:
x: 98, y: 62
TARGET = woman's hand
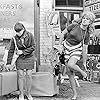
x: 8, y: 67
x: 19, y: 52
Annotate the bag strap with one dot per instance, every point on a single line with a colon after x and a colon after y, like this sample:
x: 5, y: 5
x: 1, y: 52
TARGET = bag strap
x: 83, y: 36
x: 15, y: 44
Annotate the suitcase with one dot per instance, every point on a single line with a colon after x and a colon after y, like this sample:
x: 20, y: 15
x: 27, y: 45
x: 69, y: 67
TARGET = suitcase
x: 44, y: 84
x: 8, y: 82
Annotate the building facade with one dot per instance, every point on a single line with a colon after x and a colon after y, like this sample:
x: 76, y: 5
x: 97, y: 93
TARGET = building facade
x: 71, y: 9
x: 34, y: 15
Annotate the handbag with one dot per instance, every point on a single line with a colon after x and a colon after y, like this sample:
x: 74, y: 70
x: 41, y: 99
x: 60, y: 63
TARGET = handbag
x: 15, y: 56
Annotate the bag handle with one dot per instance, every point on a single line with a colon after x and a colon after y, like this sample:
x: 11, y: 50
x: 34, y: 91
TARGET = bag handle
x: 15, y: 44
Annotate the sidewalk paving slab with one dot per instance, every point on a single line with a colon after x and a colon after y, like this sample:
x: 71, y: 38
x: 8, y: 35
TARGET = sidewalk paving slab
x: 91, y: 98
x: 87, y: 91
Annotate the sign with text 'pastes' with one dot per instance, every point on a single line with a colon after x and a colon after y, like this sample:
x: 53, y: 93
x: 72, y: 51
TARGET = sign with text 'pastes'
x: 12, y: 11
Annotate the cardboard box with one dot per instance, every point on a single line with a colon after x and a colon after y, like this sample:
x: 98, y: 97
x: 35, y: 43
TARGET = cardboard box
x: 8, y: 82
x: 44, y: 84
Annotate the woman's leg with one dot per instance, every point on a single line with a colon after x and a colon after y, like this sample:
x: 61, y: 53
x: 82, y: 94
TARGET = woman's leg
x: 72, y: 65
x: 21, y: 83
x: 73, y: 84
x: 29, y: 83
x: 71, y: 79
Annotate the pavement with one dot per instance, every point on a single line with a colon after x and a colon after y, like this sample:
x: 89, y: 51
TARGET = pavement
x: 86, y: 91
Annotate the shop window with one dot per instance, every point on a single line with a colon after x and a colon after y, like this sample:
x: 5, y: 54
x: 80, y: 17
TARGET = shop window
x: 98, y: 16
x: 69, y: 3
x: 73, y: 16
x: 97, y: 27
x: 75, y: 3
x: 66, y: 18
x: 60, y: 2
x: 63, y: 20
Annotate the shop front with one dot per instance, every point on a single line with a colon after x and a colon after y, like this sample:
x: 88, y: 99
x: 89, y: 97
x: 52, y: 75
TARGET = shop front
x: 93, y: 54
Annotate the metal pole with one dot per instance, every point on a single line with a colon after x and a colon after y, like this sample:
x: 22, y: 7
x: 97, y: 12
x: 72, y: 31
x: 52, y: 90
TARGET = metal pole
x: 37, y: 31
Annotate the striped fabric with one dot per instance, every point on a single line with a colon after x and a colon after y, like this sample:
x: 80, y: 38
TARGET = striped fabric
x: 71, y: 50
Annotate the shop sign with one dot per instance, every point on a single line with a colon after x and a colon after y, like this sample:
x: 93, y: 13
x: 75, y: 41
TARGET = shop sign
x: 89, y: 2
x: 12, y: 11
x: 94, y: 7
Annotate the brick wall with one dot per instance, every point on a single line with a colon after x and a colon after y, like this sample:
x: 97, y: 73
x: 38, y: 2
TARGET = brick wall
x: 45, y: 40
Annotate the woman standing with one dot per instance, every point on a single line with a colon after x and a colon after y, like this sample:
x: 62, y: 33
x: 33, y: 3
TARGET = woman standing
x: 75, y: 37
x: 26, y: 47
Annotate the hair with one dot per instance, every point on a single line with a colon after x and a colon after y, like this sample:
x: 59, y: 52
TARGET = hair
x: 91, y: 16
x: 18, y: 27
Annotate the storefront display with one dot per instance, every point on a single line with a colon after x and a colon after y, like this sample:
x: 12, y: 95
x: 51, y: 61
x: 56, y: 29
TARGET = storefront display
x: 93, y: 66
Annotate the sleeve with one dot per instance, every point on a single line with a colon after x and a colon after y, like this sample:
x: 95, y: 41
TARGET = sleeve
x: 31, y: 48
x: 11, y: 51
x: 71, y: 26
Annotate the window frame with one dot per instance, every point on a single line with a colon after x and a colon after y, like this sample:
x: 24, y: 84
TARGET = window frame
x: 68, y: 4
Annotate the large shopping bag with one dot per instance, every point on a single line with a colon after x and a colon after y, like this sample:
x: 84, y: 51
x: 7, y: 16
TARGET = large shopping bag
x: 8, y: 82
x: 44, y: 84
x: 5, y: 56
x: 15, y: 55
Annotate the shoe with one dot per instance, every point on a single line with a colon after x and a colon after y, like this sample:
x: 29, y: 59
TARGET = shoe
x: 29, y: 97
x: 58, y: 82
x: 74, y: 98
x: 85, y: 78
x: 21, y: 97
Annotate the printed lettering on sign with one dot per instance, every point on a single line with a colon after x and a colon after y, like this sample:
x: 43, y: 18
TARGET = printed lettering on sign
x: 12, y: 11
x: 89, y: 2
x: 94, y: 7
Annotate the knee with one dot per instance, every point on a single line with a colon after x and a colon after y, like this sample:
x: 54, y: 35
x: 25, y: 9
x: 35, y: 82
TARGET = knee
x: 29, y: 74
x: 20, y: 75
x: 71, y: 65
x: 69, y: 73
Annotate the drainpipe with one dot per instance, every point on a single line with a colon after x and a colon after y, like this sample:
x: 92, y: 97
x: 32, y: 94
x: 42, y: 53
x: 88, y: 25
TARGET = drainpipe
x: 37, y: 31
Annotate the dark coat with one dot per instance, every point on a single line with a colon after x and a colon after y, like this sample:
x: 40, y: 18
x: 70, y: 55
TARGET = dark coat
x: 25, y: 43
